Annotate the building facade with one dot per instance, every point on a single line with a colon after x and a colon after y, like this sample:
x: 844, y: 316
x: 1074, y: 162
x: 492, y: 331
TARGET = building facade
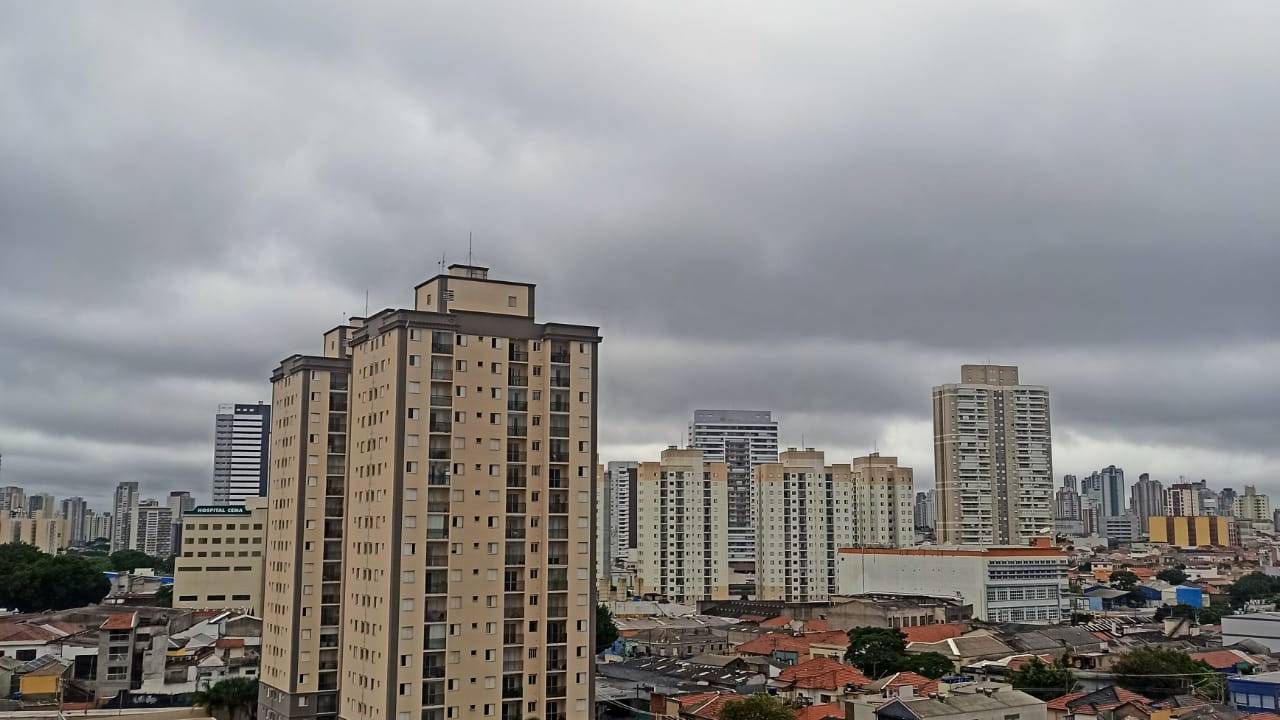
x: 74, y: 510
x: 682, y: 528
x: 924, y: 513
x: 620, y: 488
x: 1068, y: 503
x: 1193, y: 531
x: 993, y: 458
x: 1106, y: 486
x: 1252, y: 506
x: 882, y: 492
x: 123, y: 504
x: 240, y: 452
x: 740, y: 439
x: 1183, y: 500
x: 1146, y: 499
x: 467, y: 528
x: 151, y: 529
x: 220, y: 563
x: 1004, y: 584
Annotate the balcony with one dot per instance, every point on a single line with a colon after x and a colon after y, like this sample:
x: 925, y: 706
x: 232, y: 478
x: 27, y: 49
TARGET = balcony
x: 517, y: 405
x: 516, y: 477
x: 438, y: 477
x: 516, y: 354
x: 441, y: 426
x: 439, y: 373
x: 559, y: 380
x: 561, y: 357
x: 517, y: 379
x: 516, y: 504
x: 513, y: 633
x: 517, y: 456
x: 515, y: 532
x: 561, y: 406
x: 442, y: 400
x: 558, y: 508
x: 559, y: 430
x: 558, y: 456
x: 517, y: 429
x: 438, y: 453
x: 514, y: 665
x: 514, y: 554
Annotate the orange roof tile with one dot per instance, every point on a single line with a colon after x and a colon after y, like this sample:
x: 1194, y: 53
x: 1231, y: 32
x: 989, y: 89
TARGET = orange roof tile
x: 1220, y: 659
x: 776, y: 622
x: 766, y: 644
x: 934, y: 633
x: 922, y: 684
x: 1061, y: 702
x: 229, y: 643
x: 823, y: 674
x: 706, y: 705
x: 817, y: 625
x: 820, y: 712
x: 1261, y: 716
x: 119, y: 621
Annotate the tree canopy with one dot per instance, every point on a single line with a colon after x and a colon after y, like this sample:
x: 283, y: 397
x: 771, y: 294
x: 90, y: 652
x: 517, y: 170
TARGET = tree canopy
x: 1173, y: 576
x: 1045, y: 681
x: 31, y: 581
x: 1124, y: 580
x: 230, y: 699
x: 1160, y: 672
x: 757, y: 707
x: 1254, y: 586
x: 878, y: 652
x: 606, y: 630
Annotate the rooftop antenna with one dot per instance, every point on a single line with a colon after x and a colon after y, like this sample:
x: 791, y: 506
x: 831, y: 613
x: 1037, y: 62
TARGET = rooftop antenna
x: 469, y: 261
x: 366, y: 303
x: 442, y: 262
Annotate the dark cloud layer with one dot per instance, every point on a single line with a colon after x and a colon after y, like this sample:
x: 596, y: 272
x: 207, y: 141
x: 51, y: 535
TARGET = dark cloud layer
x: 822, y: 210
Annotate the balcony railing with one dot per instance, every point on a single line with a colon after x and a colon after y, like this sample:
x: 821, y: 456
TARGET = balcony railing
x: 438, y: 453
x: 560, y: 406
x: 516, y: 355
x: 441, y: 374
x: 559, y: 380
x: 518, y: 379
x: 560, y: 357
x: 517, y: 456
x: 517, y: 405
x: 558, y: 456
x: 442, y: 400
x: 441, y: 426
x: 517, y: 429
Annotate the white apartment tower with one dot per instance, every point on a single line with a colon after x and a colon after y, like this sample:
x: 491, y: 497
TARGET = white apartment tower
x: 151, y: 529
x: 241, y: 446
x: 1252, y: 506
x: 993, y: 458
x: 740, y: 439
x: 681, y: 529
x: 123, y: 504
x: 617, y: 505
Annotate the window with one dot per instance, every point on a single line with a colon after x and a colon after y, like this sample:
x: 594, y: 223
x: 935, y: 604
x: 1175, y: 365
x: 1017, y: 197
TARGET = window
x: 415, y: 387
x: 511, y: 301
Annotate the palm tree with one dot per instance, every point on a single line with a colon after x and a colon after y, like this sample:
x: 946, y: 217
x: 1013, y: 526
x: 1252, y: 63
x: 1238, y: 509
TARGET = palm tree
x: 236, y: 698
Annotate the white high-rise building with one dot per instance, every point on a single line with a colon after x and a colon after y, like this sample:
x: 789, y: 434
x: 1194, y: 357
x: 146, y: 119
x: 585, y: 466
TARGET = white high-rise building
x: 75, y: 511
x: 240, y: 453
x: 1252, y: 506
x: 618, y: 497
x: 680, y: 527
x: 993, y: 458
x: 740, y: 439
x: 151, y: 529
x: 123, y: 504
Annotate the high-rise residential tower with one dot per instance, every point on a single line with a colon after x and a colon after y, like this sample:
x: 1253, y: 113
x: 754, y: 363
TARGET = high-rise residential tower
x: 620, y: 486
x: 740, y: 439
x: 1251, y: 505
x: 13, y: 499
x: 42, y: 505
x: 1107, y: 487
x: 681, y: 527
x: 466, y: 561
x: 123, y: 504
x: 1183, y: 500
x: 1146, y: 499
x: 1068, y: 500
x: 151, y: 529
x: 923, y: 513
x: 74, y: 510
x: 993, y: 458
x: 240, y: 451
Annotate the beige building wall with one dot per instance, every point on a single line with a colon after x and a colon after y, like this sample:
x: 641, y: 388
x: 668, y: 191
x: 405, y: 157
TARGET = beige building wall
x: 993, y: 457
x: 883, y: 502
x: 682, y: 529
x: 468, y: 525
x: 303, y: 572
x: 48, y: 534
x: 795, y: 557
x: 220, y: 562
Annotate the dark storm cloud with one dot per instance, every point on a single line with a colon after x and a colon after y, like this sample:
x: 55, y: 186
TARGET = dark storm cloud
x: 821, y: 210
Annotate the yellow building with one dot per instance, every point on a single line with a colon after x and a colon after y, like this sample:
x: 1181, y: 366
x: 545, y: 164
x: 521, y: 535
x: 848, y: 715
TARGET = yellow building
x: 220, y: 563
x: 48, y: 534
x: 1193, y: 530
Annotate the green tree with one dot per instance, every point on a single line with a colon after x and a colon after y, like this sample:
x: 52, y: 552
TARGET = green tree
x: 13, y: 558
x: 1045, y: 681
x: 1160, y: 673
x: 931, y: 664
x: 876, y: 651
x: 757, y: 707
x: 164, y: 596
x: 1212, y: 615
x: 1254, y: 586
x: 606, y: 629
x: 230, y: 699
x: 1124, y: 580
x: 125, y: 560
x: 55, y: 583
x: 1173, y: 576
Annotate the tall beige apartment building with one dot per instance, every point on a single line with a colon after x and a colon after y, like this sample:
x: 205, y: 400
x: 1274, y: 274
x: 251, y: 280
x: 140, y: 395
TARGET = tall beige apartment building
x: 682, y: 527
x: 465, y: 560
x: 1252, y: 506
x: 807, y: 510
x: 993, y: 458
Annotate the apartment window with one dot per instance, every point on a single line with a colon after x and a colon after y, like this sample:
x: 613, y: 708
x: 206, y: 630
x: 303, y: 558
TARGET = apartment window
x: 414, y: 333
x: 411, y: 466
x: 584, y: 397
x: 511, y: 301
x: 415, y: 360
x: 461, y: 366
x: 415, y: 387
x: 413, y: 413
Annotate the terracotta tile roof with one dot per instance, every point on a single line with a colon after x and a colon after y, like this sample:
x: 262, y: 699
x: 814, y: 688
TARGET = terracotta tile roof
x: 706, y: 705
x: 817, y: 625
x: 1109, y: 697
x: 820, y: 712
x: 922, y: 684
x: 934, y: 633
x: 119, y: 621
x: 1261, y: 716
x: 1224, y: 659
x: 823, y: 674
x: 229, y: 643
x: 776, y: 622
x: 1017, y: 661
x: 770, y: 642
x: 22, y: 632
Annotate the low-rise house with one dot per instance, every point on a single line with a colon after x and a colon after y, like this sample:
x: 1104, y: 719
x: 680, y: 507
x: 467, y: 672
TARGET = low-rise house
x: 29, y: 637
x: 40, y: 679
x: 966, y: 649
x: 1230, y: 661
x: 1255, y: 693
x: 972, y: 701
x: 787, y: 649
x: 819, y: 681
x: 673, y: 642
x: 1108, y: 703
x: 690, y: 675
x: 694, y: 706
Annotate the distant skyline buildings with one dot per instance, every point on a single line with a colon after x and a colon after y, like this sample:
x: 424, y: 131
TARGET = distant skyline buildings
x: 1106, y: 486
x: 1146, y: 498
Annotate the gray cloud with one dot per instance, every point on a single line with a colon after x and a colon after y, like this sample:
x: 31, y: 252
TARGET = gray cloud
x: 824, y: 211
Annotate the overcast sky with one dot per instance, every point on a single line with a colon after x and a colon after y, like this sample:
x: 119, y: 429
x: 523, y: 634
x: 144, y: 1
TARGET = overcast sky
x: 820, y: 209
